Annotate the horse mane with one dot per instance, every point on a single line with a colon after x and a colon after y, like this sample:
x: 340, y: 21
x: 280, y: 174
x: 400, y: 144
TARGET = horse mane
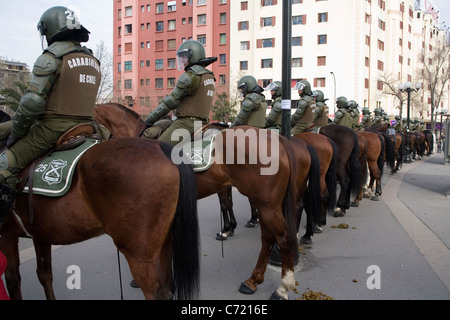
x: 123, y: 108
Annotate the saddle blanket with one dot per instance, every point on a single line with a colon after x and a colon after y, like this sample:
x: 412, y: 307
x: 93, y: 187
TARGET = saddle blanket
x: 53, y: 175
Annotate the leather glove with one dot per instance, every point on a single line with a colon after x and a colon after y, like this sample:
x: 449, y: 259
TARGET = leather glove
x: 11, y: 141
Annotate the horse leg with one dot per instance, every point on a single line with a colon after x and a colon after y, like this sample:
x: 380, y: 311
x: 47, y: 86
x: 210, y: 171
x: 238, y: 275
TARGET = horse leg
x: 10, y: 248
x: 44, y: 267
x: 226, y: 208
x: 375, y: 176
x: 271, y: 232
x: 341, y: 203
x: 254, y: 220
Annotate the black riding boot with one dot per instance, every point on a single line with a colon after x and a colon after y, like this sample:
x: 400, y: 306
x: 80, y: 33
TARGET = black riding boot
x: 7, y: 196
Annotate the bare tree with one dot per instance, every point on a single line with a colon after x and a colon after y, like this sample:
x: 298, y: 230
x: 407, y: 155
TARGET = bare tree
x: 435, y: 74
x: 106, y: 66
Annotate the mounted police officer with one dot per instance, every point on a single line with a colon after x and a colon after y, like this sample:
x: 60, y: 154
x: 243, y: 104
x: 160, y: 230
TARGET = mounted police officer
x: 342, y: 116
x: 378, y: 119
x: 322, y: 110
x: 193, y: 94
x: 353, y: 109
x: 303, y: 118
x: 366, y: 120
x: 273, y: 120
x: 398, y: 124
x: 254, y: 105
x: 60, y: 95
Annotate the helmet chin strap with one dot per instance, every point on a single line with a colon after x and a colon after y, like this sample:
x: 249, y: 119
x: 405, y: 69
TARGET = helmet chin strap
x: 42, y: 43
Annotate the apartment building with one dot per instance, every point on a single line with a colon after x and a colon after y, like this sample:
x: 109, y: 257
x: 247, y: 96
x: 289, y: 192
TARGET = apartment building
x: 342, y: 47
x: 147, y: 35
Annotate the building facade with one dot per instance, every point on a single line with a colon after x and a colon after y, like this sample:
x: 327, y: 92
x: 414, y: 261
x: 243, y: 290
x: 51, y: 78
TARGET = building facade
x: 352, y: 48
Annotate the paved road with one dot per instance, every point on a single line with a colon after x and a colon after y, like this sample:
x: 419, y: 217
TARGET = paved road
x: 398, y: 246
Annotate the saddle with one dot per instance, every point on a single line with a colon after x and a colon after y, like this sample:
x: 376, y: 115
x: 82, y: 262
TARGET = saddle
x: 69, y: 147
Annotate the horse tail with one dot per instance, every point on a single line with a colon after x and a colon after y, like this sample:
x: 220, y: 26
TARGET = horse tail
x: 354, y: 168
x: 291, y: 195
x: 390, y: 151
x: 401, y: 150
x: 185, y: 233
x: 314, y: 198
x: 330, y: 179
x: 380, y: 160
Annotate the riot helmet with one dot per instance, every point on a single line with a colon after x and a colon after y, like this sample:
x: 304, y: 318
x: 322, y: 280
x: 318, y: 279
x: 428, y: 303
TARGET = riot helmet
x: 303, y: 85
x: 365, y: 110
x: 248, y: 84
x: 190, y: 52
x: 377, y: 111
x: 59, y: 24
x: 320, y: 96
x: 275, y: 86
x: 342, y: 102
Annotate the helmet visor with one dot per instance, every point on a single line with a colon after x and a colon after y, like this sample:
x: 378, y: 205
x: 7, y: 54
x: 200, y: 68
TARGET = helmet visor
x: 242, y: 88
x: 299, y: 86
x: 272, y: 87
x: 183, y: 58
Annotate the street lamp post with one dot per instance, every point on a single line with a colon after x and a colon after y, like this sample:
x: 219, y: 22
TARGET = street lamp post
x: 407, y: 86
x: 334, y: 78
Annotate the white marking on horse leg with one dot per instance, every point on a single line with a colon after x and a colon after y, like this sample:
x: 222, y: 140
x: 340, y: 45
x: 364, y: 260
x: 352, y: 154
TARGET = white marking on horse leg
x: 287, y: 284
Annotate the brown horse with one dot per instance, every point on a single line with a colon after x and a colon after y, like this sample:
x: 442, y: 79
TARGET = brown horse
x: 375, y: 161
x: 113, y: 192
x: 348, y: 168
x: 398, y: 146
x: 327, y: 154
x: 273, y: 195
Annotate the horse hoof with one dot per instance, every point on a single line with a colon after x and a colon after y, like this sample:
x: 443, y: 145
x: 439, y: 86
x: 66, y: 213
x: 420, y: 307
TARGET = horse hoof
x: 317, y: 230
x: 133, y: 284
x: 354, y: 204
x: 339, y: 213
x: 245, y: 289
x: 366, y: 195
x: 251, y: 224
x: 221, y: 236
x: 305, y: 240
x: 276, y: 296
x: 375, y: 198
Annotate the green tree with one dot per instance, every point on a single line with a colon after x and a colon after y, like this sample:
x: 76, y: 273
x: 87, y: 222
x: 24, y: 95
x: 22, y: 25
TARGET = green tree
x: 223, y: 109
x: 12, y: 96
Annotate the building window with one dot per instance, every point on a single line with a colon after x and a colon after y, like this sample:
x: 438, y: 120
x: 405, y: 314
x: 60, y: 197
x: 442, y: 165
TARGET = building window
x: 128, y: 28
x: 297, y: 62
x: 128, y: 11
x: 223, y: 59
x: 159, y: 84
x: 245, y: 45
x: 128, y: 65
x: 299, y: 19
x: 322, y: 39
x: 201, y: 19
x: 160, y: 7
x: 160, y: 26
x: 296, y: 41
x: 321, y: 61
x: 201, y: 38
x: 201, y: 2
x: 170, y: 82
x: 223, y: 38
x: 267, y: 22
x: 244, y: 5
x: 243, y: 25
x: 323, y: 17
x: 171, y: 44
x: 159, y: 64
x: 319, y: 82
x: 171, y: 6
x: 268, y: 43
x: 223, y: 18
x: 265, y: 3
x: 171, y: 63
x: 222, y: 79
x: 243, y: 65
x: 129, y: 84
x: 266, y: 63
x: 171, y: 25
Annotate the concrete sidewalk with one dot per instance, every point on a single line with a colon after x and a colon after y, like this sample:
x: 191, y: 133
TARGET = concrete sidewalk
x: 419, y: 198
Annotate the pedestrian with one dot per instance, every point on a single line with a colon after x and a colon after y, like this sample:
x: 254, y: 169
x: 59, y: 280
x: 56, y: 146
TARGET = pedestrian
x: 253, y: 106
x: 3, y: 264
x: 60, y: 95
x: 192, y: 96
